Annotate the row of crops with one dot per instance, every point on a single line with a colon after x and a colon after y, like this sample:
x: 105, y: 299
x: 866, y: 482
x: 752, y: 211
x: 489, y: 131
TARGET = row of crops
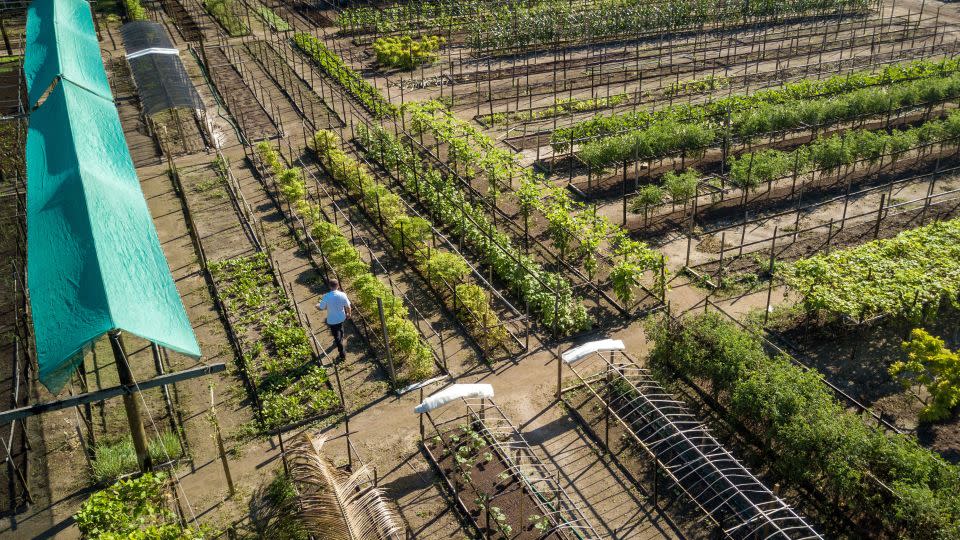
x: 412, y: 357
x: 573, y: 230
x: 810, y: 439
x: 447, y: 272
x: 609, y: 140
x: 549, y: 295
x: 494, y: 25
x: 279, y: 365
x: 907, y: 276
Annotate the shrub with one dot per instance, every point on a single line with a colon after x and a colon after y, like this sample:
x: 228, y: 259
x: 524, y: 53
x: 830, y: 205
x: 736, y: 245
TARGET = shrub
x: 405, y: 52
x: 132, y: 509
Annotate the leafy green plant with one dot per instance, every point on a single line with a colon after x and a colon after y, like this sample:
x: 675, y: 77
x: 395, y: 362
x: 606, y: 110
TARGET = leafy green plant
x: 405, y: 52
x: 271, y: 18
x: 132, y: 509
x: 447, y: 202
x: 472, y: 153
x: 446, y: 271
x: 536, y: 23
x: 649, y: 195
x: 227, y: 12
x: 932, y: 365
x: 335, y: 67
x: 644, y: 134
x: 540, y: 523
x: 816, y: 440
x: 135, y: 10
x: 908, y: 275
x: 280, y: 365
x: 683, y: 186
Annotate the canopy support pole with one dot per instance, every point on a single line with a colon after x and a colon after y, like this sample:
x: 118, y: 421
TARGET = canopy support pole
x: 131, y: 402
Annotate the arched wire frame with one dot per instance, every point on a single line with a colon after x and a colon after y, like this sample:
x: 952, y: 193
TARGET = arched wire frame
x: 538, y: 479
x: 681, y: 447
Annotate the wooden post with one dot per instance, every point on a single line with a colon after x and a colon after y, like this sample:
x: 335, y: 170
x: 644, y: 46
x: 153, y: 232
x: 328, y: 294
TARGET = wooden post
x: 773, y: 254
x: 221, y: 450
x: 131, y: 402
x: 876, y: 227
x: 386, y: 342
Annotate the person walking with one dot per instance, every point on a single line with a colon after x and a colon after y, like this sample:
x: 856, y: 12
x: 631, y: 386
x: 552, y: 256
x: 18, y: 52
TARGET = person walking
x: 338, y: 310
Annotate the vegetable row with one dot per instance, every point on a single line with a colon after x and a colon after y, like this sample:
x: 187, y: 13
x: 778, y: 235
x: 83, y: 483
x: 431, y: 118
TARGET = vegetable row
x: 572, y: 229
x: 338, y: 70
x: 672, y: 134
x: 495, y: 25
x: 908, y: 276
x: 279, y: 366
x: 412, y: 357
x: 840, y: 149
x: 447, y: 272
x: 816, y: 441
x: 546, y: 293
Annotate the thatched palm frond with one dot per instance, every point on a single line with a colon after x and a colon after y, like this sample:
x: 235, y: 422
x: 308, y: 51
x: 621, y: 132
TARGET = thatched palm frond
x: 335, y: 505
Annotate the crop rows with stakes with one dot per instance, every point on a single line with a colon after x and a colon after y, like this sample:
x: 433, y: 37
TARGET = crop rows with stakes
x: 413, y: 358
x: 493, y: 26
x: 569, y: 224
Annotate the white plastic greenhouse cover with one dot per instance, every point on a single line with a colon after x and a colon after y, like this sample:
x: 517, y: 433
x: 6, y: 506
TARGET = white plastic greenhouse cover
x: 455, y: 392
x: 577, y: 353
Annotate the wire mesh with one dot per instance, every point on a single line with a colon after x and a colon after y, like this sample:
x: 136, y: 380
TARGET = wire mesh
x: 716, y: 481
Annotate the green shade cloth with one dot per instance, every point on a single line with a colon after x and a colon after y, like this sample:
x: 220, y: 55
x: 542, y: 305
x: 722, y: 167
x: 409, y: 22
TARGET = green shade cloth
x: 62, y: 41
x: 94, y: 261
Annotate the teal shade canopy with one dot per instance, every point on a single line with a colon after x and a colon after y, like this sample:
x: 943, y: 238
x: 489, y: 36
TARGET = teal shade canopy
x: 62, y: 42
x: 94, y: 261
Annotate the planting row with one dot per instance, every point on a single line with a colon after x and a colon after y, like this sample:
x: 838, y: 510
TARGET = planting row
x: 572, y: 229
x: 446, y: 272
x: 549, y: 295
x: 278, y: 362
x: 412, y: 358
x: 909, y: 275
x: 885, y: 481
x: 839, y: 150
x: 493, y: 25
x: 780, y: 99
x: 339, y: 71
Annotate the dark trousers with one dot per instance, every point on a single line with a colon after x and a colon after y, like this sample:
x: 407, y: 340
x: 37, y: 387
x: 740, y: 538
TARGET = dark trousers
x: 337, y: 331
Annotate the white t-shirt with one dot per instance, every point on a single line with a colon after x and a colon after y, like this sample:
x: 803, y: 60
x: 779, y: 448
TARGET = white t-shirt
x: 336, y: 304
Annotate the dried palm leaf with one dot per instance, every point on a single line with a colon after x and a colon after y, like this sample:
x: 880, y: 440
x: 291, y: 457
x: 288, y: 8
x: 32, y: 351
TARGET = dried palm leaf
x: 335, y: 505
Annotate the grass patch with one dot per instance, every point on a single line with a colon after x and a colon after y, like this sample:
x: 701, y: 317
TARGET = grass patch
x: 113, y: 460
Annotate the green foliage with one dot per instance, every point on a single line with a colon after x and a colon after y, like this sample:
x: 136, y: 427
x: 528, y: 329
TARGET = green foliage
x: 683, y: 186
x: 542, y: 22
x: 280, y: 365
x: 228, y: 13
x: 649, y: 195
x: 405, y: 52
x: 804, y: 103
x: 472, y: 152
x: 353, y: 82
x: 113, y: 460
x: 445, y: 200
x: 815, y: 439
x: 132, y: 509
x: 560, y: 107
x: 839, y: 150
x: 135, y: 10
x: 666, y: 137
x: 932, y: 365
x: 275, y: 21
x: 413, y: 357
x: 908, y: 275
